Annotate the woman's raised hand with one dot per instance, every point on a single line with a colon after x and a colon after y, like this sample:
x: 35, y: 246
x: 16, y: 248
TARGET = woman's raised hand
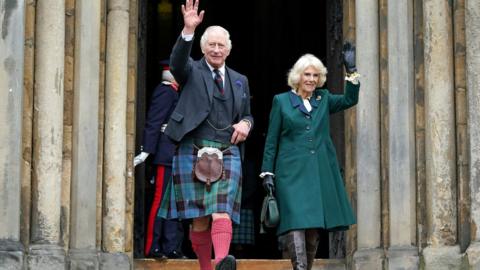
x: 348, y: 54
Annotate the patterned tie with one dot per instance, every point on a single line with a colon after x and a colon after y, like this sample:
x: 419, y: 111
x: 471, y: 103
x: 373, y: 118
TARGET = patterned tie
x: 218, y: 80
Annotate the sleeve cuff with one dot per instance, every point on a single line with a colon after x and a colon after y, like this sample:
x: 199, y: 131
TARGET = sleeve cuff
x: 352, y: 77
x: 187, y: 37
x: 248, y: 123
x: 266, y: 173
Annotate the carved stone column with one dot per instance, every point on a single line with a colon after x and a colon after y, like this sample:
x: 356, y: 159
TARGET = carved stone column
x: 83, y: 253
x: 442, y: 251
x: 368, y: 255
x: 472, y: 14
x: 402, y: 253
x: 11, y: 85
x: 45, y: 251
x: 115, y: 155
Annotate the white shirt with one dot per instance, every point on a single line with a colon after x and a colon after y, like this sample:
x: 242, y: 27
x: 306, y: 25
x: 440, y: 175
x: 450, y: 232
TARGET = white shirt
x: 306, y: 101
x: 221, y: 70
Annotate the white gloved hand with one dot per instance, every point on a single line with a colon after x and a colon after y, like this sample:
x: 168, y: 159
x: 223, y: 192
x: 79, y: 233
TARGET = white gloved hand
x: 140, y: 158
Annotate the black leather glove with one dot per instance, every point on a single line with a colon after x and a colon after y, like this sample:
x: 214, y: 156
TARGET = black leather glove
x: 268, y: 184
x: 348, y: 54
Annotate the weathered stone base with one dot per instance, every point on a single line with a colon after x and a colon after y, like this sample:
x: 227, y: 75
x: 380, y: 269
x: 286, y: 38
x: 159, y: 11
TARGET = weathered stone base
x: 11, y: 255
x: 114, y: 261
x: 41, y: 257
x: 52, y: 257
x: 473, y: 255
x: 11, y: 260
x: 83, y: 259
x: 442, y: 258
x: 368, y: 259
x: 403, y: 258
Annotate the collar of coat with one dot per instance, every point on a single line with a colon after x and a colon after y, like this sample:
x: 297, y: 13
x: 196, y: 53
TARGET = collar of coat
x: 297, y: 101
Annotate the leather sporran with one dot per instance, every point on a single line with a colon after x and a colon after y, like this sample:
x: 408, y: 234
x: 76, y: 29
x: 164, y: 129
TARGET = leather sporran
x: 209, y: 165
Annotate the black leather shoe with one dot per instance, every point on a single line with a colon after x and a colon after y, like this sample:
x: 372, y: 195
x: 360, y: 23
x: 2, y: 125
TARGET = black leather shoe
x: 227, y: 263
x: 156, y: 253
x: 176, y: 255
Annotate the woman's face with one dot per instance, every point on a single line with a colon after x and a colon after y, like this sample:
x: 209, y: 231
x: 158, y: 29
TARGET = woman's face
x: 308, y: 81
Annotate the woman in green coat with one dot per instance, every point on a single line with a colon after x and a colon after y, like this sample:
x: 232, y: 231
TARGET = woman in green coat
x: 300, y: 161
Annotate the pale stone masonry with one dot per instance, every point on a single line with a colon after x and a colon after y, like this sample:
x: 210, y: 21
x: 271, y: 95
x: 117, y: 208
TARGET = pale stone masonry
x: 472, y: 14
x: 44, y: 251
x: 402, y: 253
x: 368, y: 254
x: 115, y: 143
x: 83, y: 253
x: 443, y: 251
x: 11, y: 93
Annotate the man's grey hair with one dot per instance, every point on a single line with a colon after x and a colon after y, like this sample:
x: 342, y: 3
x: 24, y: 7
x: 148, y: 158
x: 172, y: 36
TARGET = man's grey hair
x: 216, y: 29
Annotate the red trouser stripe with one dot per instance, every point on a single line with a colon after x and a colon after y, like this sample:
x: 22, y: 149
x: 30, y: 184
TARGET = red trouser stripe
x: 157, y: 200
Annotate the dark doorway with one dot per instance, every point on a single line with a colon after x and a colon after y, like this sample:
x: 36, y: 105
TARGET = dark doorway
x: 268, y: 37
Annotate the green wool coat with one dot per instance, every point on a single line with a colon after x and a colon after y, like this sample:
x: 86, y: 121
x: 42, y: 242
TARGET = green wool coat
x: 299, y: 151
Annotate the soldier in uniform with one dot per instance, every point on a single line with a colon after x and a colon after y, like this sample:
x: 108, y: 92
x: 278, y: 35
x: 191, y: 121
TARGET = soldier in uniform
x: 164, y: 237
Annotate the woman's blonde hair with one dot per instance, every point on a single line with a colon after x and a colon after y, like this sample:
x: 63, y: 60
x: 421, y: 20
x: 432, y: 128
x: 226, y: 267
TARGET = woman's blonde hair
x: 304, y: 62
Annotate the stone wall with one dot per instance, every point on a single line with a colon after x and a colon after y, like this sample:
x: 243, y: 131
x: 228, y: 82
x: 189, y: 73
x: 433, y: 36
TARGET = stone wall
x: 426, y: 102
x: 52, y: 192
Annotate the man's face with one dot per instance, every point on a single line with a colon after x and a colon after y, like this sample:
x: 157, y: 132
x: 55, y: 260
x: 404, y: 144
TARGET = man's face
x: 215, y: 50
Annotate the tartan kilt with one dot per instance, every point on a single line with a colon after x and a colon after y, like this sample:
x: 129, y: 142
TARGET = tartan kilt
x: 244, y: 233
x: 186, y: 198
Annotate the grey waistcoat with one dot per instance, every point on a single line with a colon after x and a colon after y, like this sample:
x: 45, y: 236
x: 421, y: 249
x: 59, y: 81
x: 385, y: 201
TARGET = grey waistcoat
x: 217, y: 126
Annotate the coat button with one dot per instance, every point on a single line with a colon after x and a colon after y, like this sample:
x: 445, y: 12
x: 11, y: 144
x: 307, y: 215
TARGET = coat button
x: 307, y: 116
x: 312, y: 151
x: 310, y: 139
x: 307, y: 127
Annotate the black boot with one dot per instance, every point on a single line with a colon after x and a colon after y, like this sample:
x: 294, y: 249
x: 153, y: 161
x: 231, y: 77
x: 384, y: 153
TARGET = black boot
x: 312, y: 237
x: 295, y: 242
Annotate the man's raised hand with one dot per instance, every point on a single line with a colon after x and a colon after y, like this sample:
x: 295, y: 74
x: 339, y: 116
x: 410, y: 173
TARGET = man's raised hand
x: 191, y: 17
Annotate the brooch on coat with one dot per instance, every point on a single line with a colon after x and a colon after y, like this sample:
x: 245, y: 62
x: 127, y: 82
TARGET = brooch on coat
x: 318, y: 97
x: 239, y: 84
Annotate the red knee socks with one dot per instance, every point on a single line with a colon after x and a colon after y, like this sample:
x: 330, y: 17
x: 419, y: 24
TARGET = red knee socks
x: 202, y: 245
x: 221, y: 237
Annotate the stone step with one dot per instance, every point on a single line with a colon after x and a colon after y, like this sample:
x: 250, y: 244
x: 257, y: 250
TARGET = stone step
x: 319, y: 264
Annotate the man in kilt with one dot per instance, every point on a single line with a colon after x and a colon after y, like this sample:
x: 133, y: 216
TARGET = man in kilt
x: 212, y: 119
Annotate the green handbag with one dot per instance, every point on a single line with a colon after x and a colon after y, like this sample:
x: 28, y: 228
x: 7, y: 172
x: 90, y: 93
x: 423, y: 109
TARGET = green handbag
x: 269, y: 217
